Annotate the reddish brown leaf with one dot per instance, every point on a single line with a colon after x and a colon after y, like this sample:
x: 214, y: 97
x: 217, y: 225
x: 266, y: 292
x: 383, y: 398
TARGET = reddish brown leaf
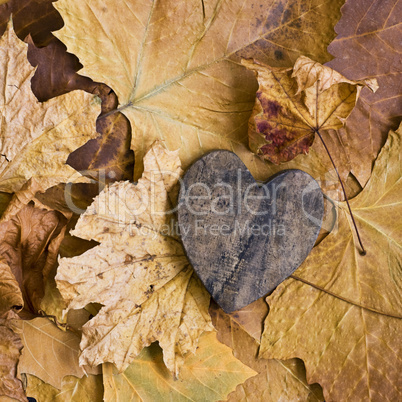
x: 56, y: 72
x: 107, y: 158
x: 293, y: 104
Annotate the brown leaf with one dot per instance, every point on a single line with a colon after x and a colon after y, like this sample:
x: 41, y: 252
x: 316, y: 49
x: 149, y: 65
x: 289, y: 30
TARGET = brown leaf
x: 342, y: 312
x: 56, y: 72
x: 292, y: 105
x: 37, y: 18
x: 276, y: 380
x: 10, y: 351
x: 139, y: 272
x: 107, y: 158
x: 368, y: 46
x: 29, y: 242
x: 11, y: 296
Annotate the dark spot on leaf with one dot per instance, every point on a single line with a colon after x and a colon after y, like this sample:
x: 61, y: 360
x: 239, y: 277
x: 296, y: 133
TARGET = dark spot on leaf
x: 278, y: 55
x: 263, y: 126
x: 286, y: 16
x: 271, y: 108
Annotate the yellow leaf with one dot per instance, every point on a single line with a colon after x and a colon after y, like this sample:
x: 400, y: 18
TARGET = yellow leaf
x: 276, y: 380
x: 86, y: 389
x: 36, y: 138
x: 292, y: 105
x: 139, y: 272
x: 209, y: 375
x: 49, y: 353
x: 374, y: 280
x: 176, y: 69
x: 342, y: 312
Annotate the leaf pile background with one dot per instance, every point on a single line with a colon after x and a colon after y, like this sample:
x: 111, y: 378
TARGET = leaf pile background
x: 83, y: 101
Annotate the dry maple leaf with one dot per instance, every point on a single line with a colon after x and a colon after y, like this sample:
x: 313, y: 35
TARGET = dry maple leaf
x: 291, y: 106
x: 176, y: 70
x: 276, y: 380
x: 342, y: 312
x: 36, y: 138
x: 209, y: 375
x: 368, y: 46
x: 139, y: 272
x: 10, y: 350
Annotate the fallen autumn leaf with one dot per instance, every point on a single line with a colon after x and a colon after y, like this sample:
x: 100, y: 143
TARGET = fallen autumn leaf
x: 139, y: 272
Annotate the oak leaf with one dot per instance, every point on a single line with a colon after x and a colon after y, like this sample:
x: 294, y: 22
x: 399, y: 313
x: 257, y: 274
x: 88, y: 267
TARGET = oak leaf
x: 10, y: 350
x: 139, y: 272
x: 341, y: 312
x: 36, y: 138
x: 276, y: 380
x: 175, y: 68
x: 368, y: 46
x: 208, y: 375
x: 292, y: 105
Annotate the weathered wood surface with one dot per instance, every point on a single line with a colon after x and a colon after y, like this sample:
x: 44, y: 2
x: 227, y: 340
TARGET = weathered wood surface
x: 243, y: 239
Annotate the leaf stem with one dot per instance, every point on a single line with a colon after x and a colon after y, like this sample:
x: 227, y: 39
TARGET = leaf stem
x: 58, y: 324
x: 363, y: 251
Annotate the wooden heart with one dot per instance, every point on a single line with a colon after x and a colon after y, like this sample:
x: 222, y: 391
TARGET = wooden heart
x: 244, y: 238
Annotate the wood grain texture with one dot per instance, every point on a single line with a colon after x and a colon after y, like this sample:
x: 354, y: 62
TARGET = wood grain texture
x: 243, y: 238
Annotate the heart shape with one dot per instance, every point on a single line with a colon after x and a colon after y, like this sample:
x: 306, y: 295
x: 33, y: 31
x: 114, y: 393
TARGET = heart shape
x: 242, y: 238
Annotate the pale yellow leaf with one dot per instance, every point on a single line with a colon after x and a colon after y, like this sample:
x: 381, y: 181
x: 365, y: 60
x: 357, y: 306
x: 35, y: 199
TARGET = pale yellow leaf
x: 208, y: 375
x: 139, y: 272
x: 36, y: 138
